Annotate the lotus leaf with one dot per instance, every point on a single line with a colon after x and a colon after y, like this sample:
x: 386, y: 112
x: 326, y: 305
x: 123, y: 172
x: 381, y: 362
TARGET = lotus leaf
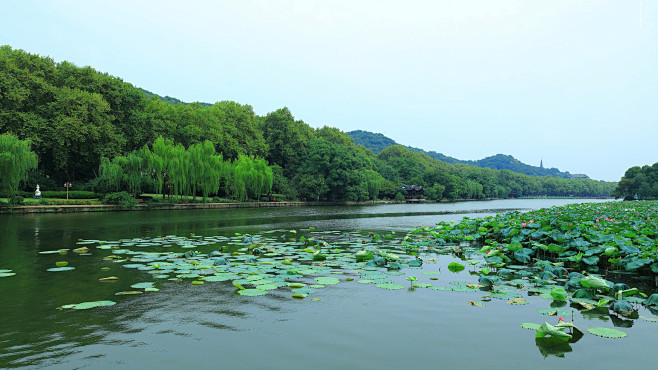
x: 591, y: 260
x: 455, y: 267
x: 415, y: 263
x: 517, y: 301
x: 622, y: 306
x: 584, y: 293
x: 652, y: 300
x: 489, y: 280
x: 252, y: 292
x: 548, y: 329
x: 7, y: 274
x: 559, y: 294
x: 305, y: 291
x: 57, y: 269
x: 530, y: 325
x: 594, y: 282
x: 607, y: 332
x: 88, y: 305
x: 327, y: 280
x: 523, y: 255
x: 363, y: 255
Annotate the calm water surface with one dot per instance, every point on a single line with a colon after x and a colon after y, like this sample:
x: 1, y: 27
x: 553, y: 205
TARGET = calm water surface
x: 354, y: 326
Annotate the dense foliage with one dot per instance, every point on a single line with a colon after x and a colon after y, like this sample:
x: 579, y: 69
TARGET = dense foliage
x: 638, y: 183
x: 16, y: 159
x: 105, y: 135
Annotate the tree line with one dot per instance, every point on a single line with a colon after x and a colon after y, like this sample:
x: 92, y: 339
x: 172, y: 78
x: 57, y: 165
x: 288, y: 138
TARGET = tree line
x: 638, y: 183
x: 103, y: 134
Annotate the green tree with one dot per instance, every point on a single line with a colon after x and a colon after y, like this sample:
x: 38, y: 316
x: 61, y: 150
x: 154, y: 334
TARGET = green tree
x: 333, y: 172
x: 16, y: 160
x: 287, y: 139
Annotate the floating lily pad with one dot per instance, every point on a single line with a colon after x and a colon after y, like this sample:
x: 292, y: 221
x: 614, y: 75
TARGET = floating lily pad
x: 455, y: 267
x: 252, y: 292
x: 88, y: 305
x: 57, y: 269
x: 607, y: 332
x: 142, y: 285
x: 327, y: 280
x: 130, y: 292
x: 530, y: 325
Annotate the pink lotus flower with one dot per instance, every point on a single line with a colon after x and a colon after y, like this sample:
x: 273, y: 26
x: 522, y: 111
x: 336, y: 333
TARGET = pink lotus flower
x: 523, y: 224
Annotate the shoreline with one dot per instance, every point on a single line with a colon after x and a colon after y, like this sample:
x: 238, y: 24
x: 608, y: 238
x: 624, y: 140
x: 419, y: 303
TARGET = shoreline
x: 188, y: 206
x: 175, y: 207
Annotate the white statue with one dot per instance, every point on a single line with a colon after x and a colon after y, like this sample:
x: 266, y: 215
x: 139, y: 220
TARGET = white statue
x: 37, y: 194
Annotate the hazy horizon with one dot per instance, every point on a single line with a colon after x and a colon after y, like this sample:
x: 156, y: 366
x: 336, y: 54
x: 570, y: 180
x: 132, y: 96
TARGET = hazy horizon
x: 571, y: 83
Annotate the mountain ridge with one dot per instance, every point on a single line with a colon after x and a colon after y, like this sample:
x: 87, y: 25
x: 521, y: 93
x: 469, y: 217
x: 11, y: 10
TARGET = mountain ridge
x: 378, y: 142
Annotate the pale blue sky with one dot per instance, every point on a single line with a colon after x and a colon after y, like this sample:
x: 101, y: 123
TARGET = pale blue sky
x: 572, y: 82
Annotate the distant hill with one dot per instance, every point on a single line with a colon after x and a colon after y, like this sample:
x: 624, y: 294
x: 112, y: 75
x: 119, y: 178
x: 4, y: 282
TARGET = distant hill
x: 168, y: 99
x: 373, y: 141
x: 378, y: 142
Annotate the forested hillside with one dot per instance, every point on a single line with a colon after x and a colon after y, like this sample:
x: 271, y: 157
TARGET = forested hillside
x: 103, y: 134
x: 378, y: 142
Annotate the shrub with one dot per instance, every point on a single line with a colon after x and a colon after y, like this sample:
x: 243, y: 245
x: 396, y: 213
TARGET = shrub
x: 122, y: 199
x: 399, y: 197
x: 16, y: 200
x: 55, y: 202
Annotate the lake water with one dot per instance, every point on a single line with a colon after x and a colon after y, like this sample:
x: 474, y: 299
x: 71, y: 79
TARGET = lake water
x: 356, y: 326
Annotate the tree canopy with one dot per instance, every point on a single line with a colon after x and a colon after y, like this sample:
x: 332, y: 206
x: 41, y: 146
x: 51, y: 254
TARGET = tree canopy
x: 16, y: 159
x: 638, y: 183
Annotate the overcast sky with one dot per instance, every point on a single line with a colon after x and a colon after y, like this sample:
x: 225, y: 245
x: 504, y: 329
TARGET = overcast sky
x: 572, y: 82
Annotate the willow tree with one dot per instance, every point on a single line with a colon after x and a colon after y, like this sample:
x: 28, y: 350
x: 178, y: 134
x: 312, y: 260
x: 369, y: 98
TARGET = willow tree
x: 210, y: 168
x: 178, y: 170
x: 16, y: 159
x: 111, y: 173
x: 133, y: 165
x: 241, y: 175
x: 157, y: 161
x: 263, y: 178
